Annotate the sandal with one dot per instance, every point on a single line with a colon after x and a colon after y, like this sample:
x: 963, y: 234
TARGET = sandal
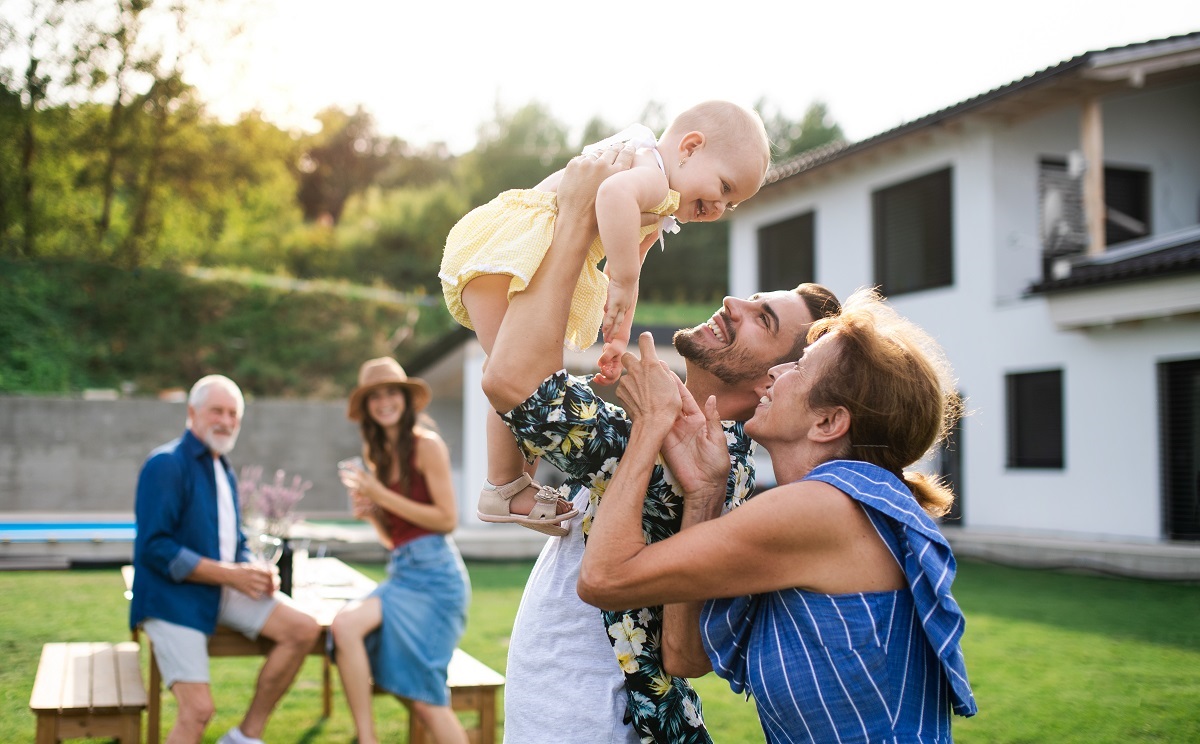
x: 543, y: 517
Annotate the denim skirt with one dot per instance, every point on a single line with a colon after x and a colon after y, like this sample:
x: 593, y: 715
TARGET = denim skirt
x: 424, y: 604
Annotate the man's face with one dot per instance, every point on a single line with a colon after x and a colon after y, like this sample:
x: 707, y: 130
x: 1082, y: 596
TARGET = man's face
x: 745, y: 338
x: 216, y: 421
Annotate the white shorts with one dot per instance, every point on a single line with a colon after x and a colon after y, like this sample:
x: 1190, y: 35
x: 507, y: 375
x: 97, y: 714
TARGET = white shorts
x: 182, y: 652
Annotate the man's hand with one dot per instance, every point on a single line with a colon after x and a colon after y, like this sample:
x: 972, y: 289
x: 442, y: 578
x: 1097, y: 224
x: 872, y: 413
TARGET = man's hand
x: 583, y: 176
x: 254, y: 581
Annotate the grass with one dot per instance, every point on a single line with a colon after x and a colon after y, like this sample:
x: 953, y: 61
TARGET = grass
x: 1052, y: 657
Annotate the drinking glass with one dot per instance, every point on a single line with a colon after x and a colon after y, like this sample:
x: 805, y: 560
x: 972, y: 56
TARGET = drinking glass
x: 265, y: 549
x: 347, y: 465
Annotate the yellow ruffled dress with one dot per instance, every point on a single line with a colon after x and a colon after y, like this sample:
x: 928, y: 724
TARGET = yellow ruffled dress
x: 510, y: 235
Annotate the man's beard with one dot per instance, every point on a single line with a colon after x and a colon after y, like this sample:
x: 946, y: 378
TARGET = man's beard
x: 222, y: 444
x: 728, y: 364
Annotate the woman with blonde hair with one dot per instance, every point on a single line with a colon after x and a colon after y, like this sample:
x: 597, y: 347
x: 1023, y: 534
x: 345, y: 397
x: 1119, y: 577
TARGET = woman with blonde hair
x: 403, y: 634
x: 827, y: 597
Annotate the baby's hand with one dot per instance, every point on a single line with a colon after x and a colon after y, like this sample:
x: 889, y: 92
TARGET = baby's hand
x: 620, y: 299
x: 610, y: 362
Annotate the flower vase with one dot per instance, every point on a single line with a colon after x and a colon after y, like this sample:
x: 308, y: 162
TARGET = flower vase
x: 285, y: 567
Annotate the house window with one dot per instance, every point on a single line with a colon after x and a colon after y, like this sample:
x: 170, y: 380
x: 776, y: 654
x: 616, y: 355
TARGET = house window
x: 1127, y: 202
x: 1179, y: 420
x: 785, y: 253
x: 947, y: 463
x: 1035, y: 420
x: 913, y: 246
x: 1126, y: 206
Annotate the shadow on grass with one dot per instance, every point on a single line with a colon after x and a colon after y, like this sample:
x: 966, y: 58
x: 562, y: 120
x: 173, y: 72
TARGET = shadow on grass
x: 1161, y: 613
x: 312, y: 734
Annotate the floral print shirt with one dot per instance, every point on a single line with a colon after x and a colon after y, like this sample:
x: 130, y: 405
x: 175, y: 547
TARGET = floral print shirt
x: 567, y: 424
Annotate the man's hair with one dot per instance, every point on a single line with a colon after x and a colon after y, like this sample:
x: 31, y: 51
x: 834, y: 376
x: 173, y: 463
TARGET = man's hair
x: 896, y: 383
x: 821, y: 303
x: 199, y: 392
x: 724, y: 124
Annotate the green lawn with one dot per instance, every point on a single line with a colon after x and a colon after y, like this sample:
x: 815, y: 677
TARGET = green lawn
x: 1052, y: 657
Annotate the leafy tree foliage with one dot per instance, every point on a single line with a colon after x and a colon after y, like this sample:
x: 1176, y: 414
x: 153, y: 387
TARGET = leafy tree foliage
x: 790, y: 137
x: 515, y: 150
x: 344, y: 158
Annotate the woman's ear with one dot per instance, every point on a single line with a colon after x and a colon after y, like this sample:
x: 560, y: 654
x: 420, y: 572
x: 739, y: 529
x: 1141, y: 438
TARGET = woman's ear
x: 831, y: 425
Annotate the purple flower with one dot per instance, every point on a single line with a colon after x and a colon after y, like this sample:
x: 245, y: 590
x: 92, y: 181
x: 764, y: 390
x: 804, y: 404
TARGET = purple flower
x: 271, y: 504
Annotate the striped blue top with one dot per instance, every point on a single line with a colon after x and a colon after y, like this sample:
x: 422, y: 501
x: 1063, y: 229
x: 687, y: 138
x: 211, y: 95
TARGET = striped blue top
x: 865, y: 667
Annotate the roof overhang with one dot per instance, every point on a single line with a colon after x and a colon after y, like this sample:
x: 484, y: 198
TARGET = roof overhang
x: 1085, y: 77
x: 1107, y: 306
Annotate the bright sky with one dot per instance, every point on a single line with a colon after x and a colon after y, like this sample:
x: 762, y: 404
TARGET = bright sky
x: 434, y: 70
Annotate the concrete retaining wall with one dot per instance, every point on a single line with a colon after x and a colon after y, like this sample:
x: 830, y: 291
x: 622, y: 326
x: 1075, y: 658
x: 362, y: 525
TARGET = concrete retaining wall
x: 70, y: 456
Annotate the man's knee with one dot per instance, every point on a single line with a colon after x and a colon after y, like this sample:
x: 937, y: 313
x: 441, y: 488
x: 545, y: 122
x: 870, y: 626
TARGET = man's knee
x: 288, y: 626
x: 307, y: 629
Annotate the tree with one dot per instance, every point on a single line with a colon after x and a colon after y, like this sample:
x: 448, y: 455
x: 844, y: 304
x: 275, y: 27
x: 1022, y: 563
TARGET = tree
x: 515, y: 150
x: 790, y: 138
x: 34, y: 45
x: 341, y: 160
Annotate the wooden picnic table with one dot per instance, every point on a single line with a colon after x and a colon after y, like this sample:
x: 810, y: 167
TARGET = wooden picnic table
x: 320, y: 587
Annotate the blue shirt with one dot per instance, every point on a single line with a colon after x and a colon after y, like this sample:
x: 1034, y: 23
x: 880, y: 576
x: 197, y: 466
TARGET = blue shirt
x: 858, y: 667
x: 176, y: 513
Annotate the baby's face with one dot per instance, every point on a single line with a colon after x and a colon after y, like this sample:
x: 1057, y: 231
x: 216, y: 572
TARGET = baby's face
x: 714, y: 180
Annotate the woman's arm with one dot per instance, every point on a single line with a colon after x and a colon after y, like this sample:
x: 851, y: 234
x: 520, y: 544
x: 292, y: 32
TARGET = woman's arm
x: 696, y: 453
x: 808, y: 535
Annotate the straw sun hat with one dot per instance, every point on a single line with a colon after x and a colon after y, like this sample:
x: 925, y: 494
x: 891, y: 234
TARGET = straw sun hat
x: 376, y: 373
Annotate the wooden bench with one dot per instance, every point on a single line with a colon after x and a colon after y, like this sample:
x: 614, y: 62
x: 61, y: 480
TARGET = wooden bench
x: 473, y: 686
x: 88, y: 690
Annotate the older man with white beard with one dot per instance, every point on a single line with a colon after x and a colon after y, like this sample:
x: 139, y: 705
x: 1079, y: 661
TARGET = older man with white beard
x: 192, y: 570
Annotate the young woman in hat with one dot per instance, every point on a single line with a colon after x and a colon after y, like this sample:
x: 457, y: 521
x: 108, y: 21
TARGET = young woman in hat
x: 403, y: 634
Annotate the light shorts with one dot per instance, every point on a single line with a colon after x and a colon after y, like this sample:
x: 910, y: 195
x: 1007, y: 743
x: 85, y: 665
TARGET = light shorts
x: 182, y: 652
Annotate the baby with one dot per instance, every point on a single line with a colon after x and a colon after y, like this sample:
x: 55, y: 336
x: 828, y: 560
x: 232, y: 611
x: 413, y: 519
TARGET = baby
x: 712, y: 157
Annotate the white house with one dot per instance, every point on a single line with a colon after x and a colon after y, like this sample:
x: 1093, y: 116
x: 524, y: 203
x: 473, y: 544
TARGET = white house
x: 1048, y: 234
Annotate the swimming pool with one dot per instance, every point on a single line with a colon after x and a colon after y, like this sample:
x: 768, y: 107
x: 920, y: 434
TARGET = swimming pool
x: 55, y: 532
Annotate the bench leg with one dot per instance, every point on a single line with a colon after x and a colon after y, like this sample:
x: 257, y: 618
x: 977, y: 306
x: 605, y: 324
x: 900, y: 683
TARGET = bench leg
x: 47, y: 729
x: 130, y: 730
x: 487, y: 716
x: 153, y: 702
x: 327, y: 687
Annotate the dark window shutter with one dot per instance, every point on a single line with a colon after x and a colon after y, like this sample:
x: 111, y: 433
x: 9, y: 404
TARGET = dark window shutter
x: 1035, y: 420
x: 786, y: 253
x: 914, y: 234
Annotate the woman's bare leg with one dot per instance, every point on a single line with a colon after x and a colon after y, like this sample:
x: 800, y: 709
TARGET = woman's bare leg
x: 350, y: 629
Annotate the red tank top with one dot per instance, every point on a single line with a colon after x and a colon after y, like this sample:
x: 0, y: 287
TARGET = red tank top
x: 399, y: 529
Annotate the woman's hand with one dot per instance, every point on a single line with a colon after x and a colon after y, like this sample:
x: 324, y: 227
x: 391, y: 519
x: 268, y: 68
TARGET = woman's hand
x: 697, y: 453
x: 693, y: 442
x: 361, y: 506
x: 649, y: 391
x: 362, y: 484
